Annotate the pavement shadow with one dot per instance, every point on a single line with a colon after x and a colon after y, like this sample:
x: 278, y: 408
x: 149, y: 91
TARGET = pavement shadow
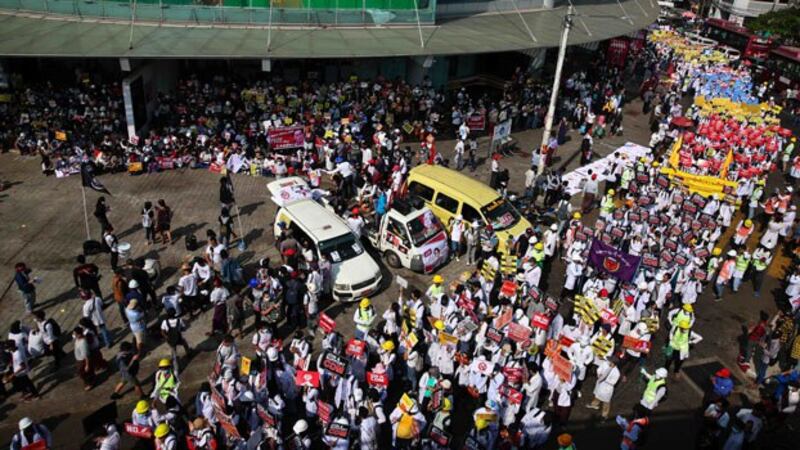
x: 72, y: 293
x: 253, y: 234
x: 130, y: 231
x: 186, y: 230
x: 247, y: 210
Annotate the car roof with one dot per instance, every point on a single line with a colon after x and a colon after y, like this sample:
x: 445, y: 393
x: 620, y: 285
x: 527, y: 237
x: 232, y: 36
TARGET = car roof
x: 317, y: 220
x: 456, y: 181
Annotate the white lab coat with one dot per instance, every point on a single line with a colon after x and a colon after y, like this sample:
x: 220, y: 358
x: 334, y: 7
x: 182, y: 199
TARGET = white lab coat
x: 607, y: 378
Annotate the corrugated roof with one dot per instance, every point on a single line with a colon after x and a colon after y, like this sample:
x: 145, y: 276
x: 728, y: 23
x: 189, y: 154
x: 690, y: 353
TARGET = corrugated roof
x: 41, y: 35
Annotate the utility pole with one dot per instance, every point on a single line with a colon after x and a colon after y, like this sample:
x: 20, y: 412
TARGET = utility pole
x: 551, y: 110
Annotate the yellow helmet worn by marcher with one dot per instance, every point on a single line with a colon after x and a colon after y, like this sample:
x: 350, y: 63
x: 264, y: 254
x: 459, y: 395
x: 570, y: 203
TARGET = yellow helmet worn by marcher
x: 161, y: 430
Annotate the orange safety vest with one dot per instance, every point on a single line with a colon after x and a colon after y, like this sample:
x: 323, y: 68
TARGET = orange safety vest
x: 726, y: 271
x: 769, y: 206
x: 743, y: 231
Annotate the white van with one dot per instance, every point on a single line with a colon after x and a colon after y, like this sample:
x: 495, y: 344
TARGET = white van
x: 354, y: 273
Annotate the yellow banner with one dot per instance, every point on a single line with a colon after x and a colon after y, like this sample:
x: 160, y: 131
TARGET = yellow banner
x: 702, y: 184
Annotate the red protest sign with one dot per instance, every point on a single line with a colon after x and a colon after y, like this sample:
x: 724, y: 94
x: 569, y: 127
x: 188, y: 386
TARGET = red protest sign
x: 326, y: 323
x: 518, y: 333
x: 307, y: 378
x: 509, y: 288
x: 138, y: 431
x: 565, y: 341
x: 377, y: 379
x: 513, y: 374
x: 477, y: 121
x: 562, y: 367
x: 607, y: 316
x: 637, y: 345
x: 289, y: 137
x: 504, y: 318
x: 355, y: 348
x: 540, y: 321
x: 324, y: 411
x: 514, y: 396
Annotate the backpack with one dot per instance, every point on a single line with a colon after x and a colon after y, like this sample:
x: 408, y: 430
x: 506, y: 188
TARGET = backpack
x: 191, y: 242
x: 173, y: 334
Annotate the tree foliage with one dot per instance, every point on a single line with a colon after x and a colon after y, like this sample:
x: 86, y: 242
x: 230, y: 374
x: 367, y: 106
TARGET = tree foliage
x: 785, y: 23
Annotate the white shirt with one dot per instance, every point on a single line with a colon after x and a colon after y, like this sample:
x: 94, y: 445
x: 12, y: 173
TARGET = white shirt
x: 214, y: 253
x: 188, y: 284
x: 219, y: 295
x: 202, y: 272
x: 93, y: 309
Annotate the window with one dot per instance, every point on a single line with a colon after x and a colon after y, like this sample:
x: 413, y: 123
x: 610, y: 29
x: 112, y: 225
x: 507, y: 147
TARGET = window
x: 470, y: 214
x: 397, y: 229
x: 341, y: 248
x: 447, y: 203
x: 298, y: 234
x: 421, y: 191
x: 424, y: 227
x: 500, y: 214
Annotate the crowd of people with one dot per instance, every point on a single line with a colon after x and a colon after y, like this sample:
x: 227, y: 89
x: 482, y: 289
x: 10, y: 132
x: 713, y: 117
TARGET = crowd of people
x: 499, y: 345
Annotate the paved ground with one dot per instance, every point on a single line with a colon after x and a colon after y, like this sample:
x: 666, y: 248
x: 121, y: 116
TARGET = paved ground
x: 42, y: 224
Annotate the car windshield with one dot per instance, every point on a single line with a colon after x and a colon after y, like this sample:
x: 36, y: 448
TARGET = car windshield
x: 424, y: 227
x: 341, y: 248
x: 501, y: 214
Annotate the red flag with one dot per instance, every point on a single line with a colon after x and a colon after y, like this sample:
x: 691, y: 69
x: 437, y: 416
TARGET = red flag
x: 307, y: 378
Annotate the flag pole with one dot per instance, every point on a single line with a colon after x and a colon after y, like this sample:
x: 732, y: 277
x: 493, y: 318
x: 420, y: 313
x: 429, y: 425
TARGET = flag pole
x: 85, y: 212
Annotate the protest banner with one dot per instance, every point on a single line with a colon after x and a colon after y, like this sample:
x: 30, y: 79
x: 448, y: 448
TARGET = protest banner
x: 138, y: 431
x: 355, y: 348
x: 518, y: 333
x: 326, y: 324
x: 377, y: 379
x: 288, y: 137
x: 335, y: 363
x: 307, y: 378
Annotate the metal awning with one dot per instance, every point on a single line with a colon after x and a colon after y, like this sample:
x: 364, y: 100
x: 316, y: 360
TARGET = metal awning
x: 50, y: 36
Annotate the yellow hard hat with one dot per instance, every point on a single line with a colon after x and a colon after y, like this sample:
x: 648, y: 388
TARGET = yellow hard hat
x: 480, y: 424
x: 161, y: 430
x: 438, y: 278
x: 577, y: 215
x: 446, y: 405
x: 164, y: 363
x: 688, y: 307
x: 684, y: 324
x: 364, y: 303
x: 611, y: 192
x: 439, y: 325
x: 142, y: 406
x: 539, y: 246
x: 748, y: 223
x: 388, y: 346
x: 656, y: 164
x: 717, y: 251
